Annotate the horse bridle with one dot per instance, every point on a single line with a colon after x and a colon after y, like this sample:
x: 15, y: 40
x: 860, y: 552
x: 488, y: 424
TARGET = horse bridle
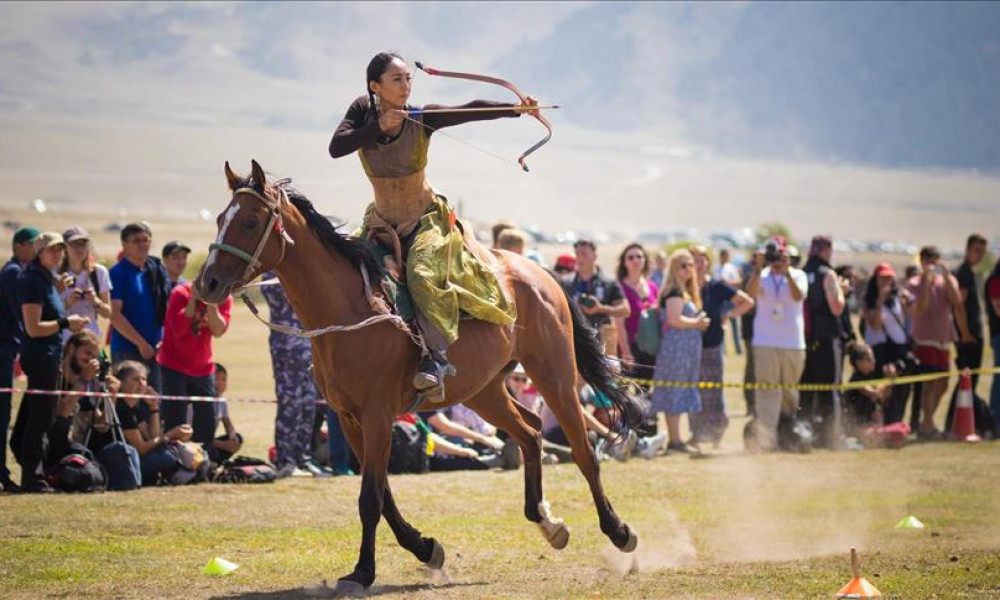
x: 274, y: 222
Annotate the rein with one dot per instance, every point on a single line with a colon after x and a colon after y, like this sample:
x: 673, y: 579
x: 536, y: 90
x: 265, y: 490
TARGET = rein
x: 378, y: 305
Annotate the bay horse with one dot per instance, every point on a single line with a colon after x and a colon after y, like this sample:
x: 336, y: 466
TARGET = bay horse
x: 365, y: 374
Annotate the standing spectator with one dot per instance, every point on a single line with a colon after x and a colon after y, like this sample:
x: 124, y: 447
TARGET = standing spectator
x: 90, y: 293
x: 175, y: 260
x: 513, y: 240
x: 992, y: 296
x: 294, y: 385
x: 708, y: 425
x: 138, y: 301
x: 936, y: 311
x: 756, y: 263
x: 11, y: 336
x: 680, y: 347
x: 779, y: 342
x: 498, y: 228
x: 969, y: 355
x: 885, y: 333
x: 565, y: 265
x: 641, y: 294
x: 41, y: 354
x: 729, y: 274
x: 824, y: 349
x: 659, y: 269
x: 186, y: 362
x: 230, y: 442
x: 600, y: 298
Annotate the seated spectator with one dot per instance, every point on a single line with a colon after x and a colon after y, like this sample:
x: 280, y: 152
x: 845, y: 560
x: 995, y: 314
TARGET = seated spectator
x: 185, y: 359
x: 451, y: 454
x: 90, y: 293
x: 60, y: 443
x: 175, y: 259
x: 156, y: 461
x: 512, y: 240
x: 863, y: 407
x: 85, y: 370
x: 229, y: 443
x: 485, y: 445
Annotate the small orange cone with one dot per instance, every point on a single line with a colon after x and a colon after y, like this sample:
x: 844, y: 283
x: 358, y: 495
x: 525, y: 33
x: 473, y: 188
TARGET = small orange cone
x: 963, y: 427
x: 859, y: 586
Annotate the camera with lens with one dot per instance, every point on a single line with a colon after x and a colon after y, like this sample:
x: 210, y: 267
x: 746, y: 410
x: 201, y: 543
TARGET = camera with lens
x: 771, y: 252
x: 588, y: 300
x: 104, y: 369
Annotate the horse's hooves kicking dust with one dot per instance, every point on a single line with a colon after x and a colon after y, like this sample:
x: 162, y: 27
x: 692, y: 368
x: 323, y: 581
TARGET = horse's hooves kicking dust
x: 556, y: 532
x: 437, y: 557
x: 632, y: 543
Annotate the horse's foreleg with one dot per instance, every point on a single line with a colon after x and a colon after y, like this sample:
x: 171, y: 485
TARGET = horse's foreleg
x: 427, y: 550
x: 375, y: 444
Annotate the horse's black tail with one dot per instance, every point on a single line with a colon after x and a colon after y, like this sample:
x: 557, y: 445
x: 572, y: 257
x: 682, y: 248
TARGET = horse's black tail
x: 595, y: 370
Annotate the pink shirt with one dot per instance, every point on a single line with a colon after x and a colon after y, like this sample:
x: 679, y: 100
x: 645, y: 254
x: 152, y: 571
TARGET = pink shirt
x: 936, y: 323
x: 637, y: 304
x: 188, y: 349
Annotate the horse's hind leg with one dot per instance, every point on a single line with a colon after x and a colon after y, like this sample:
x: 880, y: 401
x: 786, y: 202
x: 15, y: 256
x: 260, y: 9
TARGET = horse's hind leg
x: 496, y: 405
x: 555, y: 376
x: 427, y: 550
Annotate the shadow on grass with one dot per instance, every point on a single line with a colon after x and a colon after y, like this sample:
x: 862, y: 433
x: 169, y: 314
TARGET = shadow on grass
x: 376, y: 590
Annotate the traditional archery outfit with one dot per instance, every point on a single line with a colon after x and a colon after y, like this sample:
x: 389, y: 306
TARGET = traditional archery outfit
x: 443, y: 278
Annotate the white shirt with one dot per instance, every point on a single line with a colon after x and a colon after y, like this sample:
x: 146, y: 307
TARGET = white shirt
x: 779, y: 322
x: 82, y: 307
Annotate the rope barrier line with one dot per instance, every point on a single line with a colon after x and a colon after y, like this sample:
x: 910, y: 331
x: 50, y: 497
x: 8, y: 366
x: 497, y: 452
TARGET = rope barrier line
x: 806, y: 387
x: 811, y: 387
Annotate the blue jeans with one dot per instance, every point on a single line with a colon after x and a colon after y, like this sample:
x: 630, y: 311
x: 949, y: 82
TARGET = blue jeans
x: 174, y: 412
x: 7, y: 356
x: 995, y: 386
x: 155, y: 464
x: 340, y: 452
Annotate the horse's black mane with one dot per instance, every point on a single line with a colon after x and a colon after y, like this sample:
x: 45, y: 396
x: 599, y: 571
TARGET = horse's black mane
x: 355, y: 250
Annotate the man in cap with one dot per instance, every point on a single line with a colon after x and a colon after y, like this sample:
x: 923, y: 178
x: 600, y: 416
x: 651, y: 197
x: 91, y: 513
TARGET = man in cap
x: 779, y: 344
x: 175, y: 259
x: 825, y: 303
x: 599, y: 297
x: 11, y: 335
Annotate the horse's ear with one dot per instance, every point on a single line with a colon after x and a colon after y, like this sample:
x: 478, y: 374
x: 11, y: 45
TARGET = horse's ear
x: 257, y: 174
x: 232, y: 178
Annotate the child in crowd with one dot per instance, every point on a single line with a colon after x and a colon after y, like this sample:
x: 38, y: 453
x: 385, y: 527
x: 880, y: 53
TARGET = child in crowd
x: 230, y: 442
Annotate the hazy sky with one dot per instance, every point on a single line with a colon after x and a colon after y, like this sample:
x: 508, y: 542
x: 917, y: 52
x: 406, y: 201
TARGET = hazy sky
x: 875, y: 120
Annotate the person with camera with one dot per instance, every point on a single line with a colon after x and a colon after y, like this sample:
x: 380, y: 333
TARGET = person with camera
x: 11, y: 336
x: 679, y: 357
x: 599, y: 297
x: 144, y: 433
x: 41, y: 354
x: 937, y: 310
x: 825, y: 304
x: 89, y: 295
x: 885, y: 332
x: 779, y: 343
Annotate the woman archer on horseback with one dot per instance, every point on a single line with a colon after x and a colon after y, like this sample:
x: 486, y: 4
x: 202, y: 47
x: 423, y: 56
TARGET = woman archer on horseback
x: 392, y: 139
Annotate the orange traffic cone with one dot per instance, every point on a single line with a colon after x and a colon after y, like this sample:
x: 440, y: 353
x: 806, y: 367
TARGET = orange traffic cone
x: 859, y: 586
x: 963, y: 427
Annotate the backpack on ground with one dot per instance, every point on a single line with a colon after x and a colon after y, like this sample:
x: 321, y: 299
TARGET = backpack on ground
x: 78, y: 473
x: 192, y: 464
x: 408, y: 453
x: 243, y: 469
x: 119, y: 459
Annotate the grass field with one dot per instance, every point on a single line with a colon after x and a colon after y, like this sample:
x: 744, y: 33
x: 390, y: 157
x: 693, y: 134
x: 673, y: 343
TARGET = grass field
x: 727, y: 526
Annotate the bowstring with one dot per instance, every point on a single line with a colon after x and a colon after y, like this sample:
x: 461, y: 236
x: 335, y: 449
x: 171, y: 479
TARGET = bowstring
x: 459, y: 140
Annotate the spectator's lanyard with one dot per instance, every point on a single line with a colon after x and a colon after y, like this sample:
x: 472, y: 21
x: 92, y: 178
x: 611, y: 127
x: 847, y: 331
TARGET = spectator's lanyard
x: 778, y: 310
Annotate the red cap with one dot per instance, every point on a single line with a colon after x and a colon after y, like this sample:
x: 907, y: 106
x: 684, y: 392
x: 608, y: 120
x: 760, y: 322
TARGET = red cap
x: 566, y: 261
x: 884, y: 269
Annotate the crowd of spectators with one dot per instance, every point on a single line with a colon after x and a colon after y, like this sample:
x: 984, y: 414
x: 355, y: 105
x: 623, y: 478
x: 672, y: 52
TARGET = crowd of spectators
x: 793, y: 326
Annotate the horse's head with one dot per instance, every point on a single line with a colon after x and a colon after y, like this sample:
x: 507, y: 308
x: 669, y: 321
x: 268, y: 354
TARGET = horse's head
x: 251, y: 236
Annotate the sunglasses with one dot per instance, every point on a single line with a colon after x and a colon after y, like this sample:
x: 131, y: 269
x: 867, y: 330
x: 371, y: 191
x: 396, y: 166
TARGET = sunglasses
x: 687, y: 265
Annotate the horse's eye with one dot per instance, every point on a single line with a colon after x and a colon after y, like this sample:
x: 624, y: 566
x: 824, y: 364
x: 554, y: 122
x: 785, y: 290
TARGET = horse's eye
x: 251, y: 224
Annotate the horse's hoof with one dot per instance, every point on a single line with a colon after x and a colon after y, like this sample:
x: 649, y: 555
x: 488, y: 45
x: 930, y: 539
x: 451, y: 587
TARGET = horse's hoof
x: 631, y: 543
x: 437, y: 557
x: 349, y: 589
x: 559, y: 538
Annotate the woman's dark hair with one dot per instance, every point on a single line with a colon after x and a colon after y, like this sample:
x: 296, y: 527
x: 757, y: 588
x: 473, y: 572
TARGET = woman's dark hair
x: 871, y: 293
x: 622, y: 270
x: 376, y: 67
x: 857, y: 351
